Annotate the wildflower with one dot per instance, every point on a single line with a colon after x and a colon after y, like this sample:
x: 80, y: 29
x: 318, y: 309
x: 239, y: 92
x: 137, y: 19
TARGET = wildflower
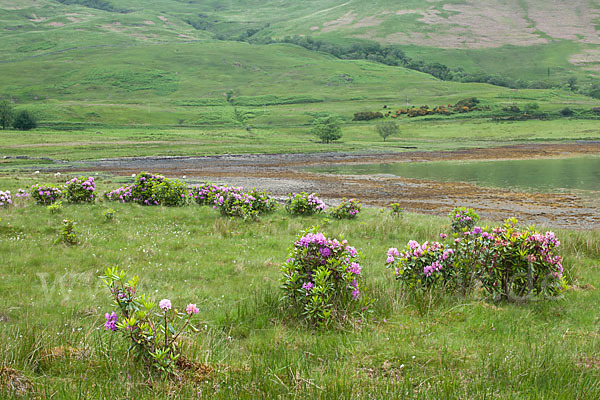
x: 191, y: 309
x: 165, y: 304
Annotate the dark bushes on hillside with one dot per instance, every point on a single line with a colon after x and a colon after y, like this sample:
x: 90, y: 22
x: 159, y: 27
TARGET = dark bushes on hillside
x: 366, y: 115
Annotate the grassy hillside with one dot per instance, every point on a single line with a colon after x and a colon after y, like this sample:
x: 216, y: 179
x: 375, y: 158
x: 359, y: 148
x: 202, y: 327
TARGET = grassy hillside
x: 186, y: 83
x: 518, y: 39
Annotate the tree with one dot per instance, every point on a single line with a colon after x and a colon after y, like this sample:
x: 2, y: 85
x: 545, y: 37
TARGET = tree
x: 327, y: 129
x: 6, y: 113
x: 572, y: 82
x: 24, y: 121
x: 387, y: 128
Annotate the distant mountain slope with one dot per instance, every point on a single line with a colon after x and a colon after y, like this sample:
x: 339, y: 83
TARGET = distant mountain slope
x: 532, y: 40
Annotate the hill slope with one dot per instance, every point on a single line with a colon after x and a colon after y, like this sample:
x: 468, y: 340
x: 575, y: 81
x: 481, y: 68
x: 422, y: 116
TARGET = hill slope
x: 534, y: 34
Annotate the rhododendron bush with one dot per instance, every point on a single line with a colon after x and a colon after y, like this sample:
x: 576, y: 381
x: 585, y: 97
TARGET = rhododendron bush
x: 321, y: 278
x: 508, y: 263
x: 80, y: 190
x: 304, y: 204
x: 155, y: 334
x: 347, y: 209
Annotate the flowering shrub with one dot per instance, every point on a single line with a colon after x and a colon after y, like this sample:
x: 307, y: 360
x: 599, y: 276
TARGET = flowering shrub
x: 514, y: 264
x: 421, y: 266
x: 67, y: 233
x: 463, y: 219
x: 206, y: 193
x: 46, y: 194
x: 346, y: 209
x: 122, y: 194
x: 171, y: 192
x: 142, y: 190
x: 22, y: 194
x: 321, y: 278
x: 5, y: 199
x: 151, y: 190
x: 510, y: 264
x: 304, y: 204
x: 396, y: 210
x: 233, y: 202
x: 154, y: 333
x: 263, y: 203
x: 80, y: 190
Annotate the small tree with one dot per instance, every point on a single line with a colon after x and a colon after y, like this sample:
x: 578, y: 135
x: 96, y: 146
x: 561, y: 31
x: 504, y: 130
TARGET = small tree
x: 24, y: 121
x: 387, y: 128
x: 327, y: 129
x: 6, y: 113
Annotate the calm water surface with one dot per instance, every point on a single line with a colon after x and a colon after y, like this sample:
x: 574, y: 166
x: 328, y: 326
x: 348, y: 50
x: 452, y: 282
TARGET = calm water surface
x: 541, y: 175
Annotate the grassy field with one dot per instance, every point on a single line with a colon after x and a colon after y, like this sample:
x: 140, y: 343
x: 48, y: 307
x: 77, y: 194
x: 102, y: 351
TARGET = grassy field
x: 51, y: 328
x: 357, y: 137
x: 120, y: 78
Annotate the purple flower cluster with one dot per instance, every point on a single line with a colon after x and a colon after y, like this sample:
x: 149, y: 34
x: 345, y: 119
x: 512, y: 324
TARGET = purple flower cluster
x: 80, y: 190
x: 304, y: 204
x: 122, y: 194
x: 463, y: 219
x: 111, y: 321
x: 420, y: 263
x: 46, y: 194
x: 5, y: 199
x: 314, y: 252
x: 21, y: 193
x: 315, y: 202
x: 346, y: 209
x: 164, y: 304
x: 206, y: 193
x: 233, y: 201
x: 543, y: 245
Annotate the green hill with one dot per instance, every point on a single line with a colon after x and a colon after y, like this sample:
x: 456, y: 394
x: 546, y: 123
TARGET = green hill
x: 170, y: 62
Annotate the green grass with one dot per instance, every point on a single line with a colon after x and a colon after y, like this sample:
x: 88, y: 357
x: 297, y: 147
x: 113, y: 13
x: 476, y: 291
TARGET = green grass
x: 455, y: 348
x: 293, y: 137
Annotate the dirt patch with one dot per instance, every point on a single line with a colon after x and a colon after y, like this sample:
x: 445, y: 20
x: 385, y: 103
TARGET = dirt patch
x: 56, y: 24
x: 494, y: 23
x: 35, y: 18
x: 19, y: 5
x: 588, y: 59
x: 162, y: 18
x: 368, y: 22
x: 475, y: 25
x: 342, y: 21
x: 572, y: 22
x: 149, y: 22
x: 281, y: 174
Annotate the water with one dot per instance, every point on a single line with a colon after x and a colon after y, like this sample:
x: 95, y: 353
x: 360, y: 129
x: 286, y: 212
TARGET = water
x: 538, y: 175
